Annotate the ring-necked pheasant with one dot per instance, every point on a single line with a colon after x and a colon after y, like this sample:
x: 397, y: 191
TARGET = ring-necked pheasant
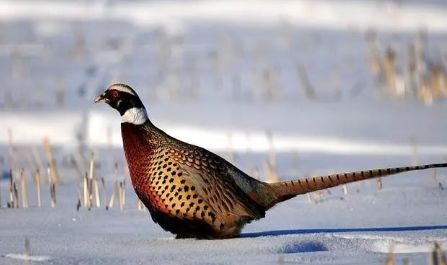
x: 193, y: 192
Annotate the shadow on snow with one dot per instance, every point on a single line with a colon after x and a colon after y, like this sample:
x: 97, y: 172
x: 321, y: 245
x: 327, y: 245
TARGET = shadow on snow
x: 341, y: 230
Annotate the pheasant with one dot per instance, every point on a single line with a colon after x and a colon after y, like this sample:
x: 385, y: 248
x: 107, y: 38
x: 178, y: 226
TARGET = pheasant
x: 193, y: 192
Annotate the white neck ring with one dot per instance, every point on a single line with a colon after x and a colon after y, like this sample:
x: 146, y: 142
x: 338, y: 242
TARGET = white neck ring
x: 135, y: 116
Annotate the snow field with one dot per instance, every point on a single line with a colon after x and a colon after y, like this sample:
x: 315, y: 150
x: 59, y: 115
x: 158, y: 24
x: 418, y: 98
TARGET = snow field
x: 224, y: 76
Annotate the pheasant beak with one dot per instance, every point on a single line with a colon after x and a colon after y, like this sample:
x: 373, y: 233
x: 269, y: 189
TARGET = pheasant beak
x: 101, y: 98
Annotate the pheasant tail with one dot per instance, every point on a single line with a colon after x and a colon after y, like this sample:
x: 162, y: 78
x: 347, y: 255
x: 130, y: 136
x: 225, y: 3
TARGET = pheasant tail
x: 288, y: 189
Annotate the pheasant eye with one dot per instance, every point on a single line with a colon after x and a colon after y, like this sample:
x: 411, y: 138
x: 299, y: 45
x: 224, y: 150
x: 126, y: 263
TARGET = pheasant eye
x: 114, y: 93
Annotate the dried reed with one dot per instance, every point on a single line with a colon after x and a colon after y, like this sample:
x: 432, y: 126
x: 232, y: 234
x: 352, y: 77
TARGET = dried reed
x: 54, y: 176
x: 390, y: 258
x: 24, y: 189
x: 37, y: 183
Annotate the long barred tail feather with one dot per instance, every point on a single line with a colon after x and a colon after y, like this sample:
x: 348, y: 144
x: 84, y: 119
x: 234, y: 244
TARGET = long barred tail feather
x: 287, y: 189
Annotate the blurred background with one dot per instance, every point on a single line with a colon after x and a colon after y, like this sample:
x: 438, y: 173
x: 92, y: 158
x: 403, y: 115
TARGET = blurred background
x: 283, y: 89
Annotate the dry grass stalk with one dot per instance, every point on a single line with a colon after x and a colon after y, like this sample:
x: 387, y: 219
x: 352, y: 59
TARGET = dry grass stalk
x: 437, y: 256
x: 85, y: 185
x: 443, y: 258
x: 52, y: 184
x: 49, y: 174
x: 37, y: 183
x: 389, y: 71
x: 438, y: 81
x: 416, y: 64
x: 97, y: 200
x: 79, y: 202
x: 16, y: 196
x: 427, y: 80
x: 52, y: 164
x: 435, y: 87
x: 53, y: 194
x: 112, y: 198
x: 24, y: 189
x: 390, y: 258
x: 433, y: 258
x: 104, y: 194
x: 90, y: 192
x: 122, y: 194
x: 13, y: 193
x: 375, y: 66
x: 92, y: 166
x: 88, y: 186
x: 11, y: 190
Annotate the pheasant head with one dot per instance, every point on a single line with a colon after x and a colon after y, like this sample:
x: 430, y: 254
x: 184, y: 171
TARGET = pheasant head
x: 126, y: 101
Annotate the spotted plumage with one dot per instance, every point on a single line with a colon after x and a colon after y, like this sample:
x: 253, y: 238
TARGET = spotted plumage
x: 192, y: 192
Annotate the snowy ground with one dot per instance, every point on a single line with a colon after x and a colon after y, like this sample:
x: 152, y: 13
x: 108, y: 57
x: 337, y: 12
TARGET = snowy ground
x: 130, y: 237
x: 205, y: 70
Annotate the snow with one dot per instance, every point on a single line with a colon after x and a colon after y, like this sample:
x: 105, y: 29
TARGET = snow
x: 31, y: 128
x: 130, y: 237
x: 27, y: 257
x: 200, y: 67
x: 175, y: 14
